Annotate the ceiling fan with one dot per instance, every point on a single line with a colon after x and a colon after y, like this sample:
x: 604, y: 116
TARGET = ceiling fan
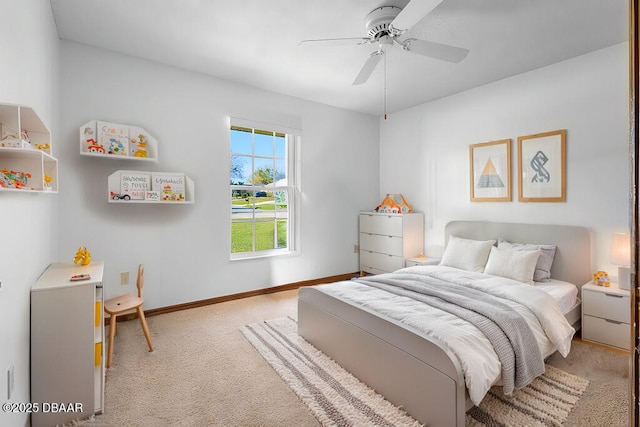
x: 386, y: 24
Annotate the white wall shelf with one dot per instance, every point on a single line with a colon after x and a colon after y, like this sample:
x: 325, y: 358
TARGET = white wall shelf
x: 25, y: 151
x: 135, y: 186
x: 128, y: 143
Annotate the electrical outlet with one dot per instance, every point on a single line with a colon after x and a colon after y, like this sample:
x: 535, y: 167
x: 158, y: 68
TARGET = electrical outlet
x: 124, y: 278
x: 356, y: 249
x: 10, y: 381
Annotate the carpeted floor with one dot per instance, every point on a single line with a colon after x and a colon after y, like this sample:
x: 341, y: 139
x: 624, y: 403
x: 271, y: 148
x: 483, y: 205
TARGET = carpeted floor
x: 203, y: 372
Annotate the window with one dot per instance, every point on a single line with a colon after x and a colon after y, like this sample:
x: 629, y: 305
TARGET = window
x: 263, y: 191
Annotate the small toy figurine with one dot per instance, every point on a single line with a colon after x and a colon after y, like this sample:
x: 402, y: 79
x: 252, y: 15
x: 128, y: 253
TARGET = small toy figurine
x: 601, y: 278
x: 83, y: 256
x: 142, y: 146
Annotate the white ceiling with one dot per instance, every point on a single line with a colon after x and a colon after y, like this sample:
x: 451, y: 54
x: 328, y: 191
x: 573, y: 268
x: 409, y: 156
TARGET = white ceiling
x: 256, y: 42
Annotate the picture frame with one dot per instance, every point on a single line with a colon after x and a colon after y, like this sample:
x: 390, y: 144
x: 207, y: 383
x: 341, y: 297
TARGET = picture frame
x: 490, y: 171
x: 542, y: 174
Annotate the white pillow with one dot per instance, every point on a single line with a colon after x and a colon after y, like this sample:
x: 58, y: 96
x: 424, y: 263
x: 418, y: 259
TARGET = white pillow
x: 514, y: 264
x: 545, y: 261
x: 466, y: 254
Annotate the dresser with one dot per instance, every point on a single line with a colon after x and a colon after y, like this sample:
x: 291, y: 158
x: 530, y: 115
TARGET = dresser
x: 386, y: 240
x: 606, y: 315
x: 67, y: 335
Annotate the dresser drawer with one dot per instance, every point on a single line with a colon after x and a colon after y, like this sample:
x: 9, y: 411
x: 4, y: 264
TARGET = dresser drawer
x: 606, y: 305
x: 606, y: 331
x: 378, y: 243
x: 381, y: 262
x: 381, y: 224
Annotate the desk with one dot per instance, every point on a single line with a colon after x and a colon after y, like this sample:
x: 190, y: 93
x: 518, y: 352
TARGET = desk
x: 67, y: 333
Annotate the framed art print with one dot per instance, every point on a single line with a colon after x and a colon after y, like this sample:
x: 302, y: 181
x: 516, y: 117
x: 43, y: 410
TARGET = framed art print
x: 490, y: 171
x: 542, y: 167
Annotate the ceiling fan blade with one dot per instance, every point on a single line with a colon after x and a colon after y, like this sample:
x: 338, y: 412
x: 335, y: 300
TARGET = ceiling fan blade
x: 336, y: 42
x: 440, y: 51
x: 413, y: 12
x: 368, y: 68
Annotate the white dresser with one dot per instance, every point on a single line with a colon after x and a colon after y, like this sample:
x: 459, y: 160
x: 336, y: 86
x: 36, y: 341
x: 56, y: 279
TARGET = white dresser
x: 386, y: 240
x: 605, y: 315
x: 67, y: 332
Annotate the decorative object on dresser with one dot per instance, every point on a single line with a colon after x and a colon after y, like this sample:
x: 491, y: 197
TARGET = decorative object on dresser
x: 394, y: 203
x: 542, y: 167
x: 490, y: 171
x: 67, y: 333
x: 387, y: 239
x: 605, y: 315
x: 621, y: 256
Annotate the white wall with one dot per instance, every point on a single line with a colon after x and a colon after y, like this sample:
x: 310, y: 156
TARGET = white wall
x: 424, y: 151
x: 186, y: 248
x: 28, y: 76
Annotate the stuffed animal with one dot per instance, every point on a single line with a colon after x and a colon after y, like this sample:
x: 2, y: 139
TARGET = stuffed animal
x: 601, y: 278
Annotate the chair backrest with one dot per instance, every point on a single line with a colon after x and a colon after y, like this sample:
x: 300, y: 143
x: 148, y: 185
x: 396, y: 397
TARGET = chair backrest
x: 140, y: 280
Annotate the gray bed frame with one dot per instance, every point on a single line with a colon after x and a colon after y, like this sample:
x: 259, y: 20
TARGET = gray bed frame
x: 405, y: 365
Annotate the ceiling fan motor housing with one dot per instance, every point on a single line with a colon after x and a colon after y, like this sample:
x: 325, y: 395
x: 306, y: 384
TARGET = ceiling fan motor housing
x: 377, y: 22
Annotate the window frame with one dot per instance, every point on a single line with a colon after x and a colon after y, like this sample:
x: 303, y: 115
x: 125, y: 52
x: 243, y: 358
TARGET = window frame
x: 292, y: 189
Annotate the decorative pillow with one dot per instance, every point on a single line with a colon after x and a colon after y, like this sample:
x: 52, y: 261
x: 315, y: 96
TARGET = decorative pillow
x: 547, y: 253
x: 466, y: 254
x: 514, y: 264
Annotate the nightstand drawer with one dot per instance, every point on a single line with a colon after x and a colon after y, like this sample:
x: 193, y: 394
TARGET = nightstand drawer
x: 381, y: 224
x: 612, y: 306
x: 412, y: 262
x: 384, y: 262
x: 383, y: 244
x: 606, y: 332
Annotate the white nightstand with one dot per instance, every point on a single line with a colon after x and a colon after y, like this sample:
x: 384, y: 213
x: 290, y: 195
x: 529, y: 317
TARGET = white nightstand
x: 605, y: 315
x: 410, y: 262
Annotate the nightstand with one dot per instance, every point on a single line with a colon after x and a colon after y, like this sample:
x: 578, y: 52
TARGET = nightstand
x: 605, y: 315
x: 410, y: 262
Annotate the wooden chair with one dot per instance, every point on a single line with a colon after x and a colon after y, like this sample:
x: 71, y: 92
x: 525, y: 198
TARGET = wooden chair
x: 123, y: 303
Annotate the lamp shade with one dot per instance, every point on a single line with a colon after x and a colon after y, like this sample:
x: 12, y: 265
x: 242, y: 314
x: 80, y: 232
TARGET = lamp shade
x: 621, y: 249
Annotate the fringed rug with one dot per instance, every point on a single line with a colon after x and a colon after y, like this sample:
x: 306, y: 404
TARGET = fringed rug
x: 337, y: 398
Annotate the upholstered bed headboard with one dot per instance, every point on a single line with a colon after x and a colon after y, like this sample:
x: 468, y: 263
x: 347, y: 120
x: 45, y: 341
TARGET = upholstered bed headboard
x: 572, y: 262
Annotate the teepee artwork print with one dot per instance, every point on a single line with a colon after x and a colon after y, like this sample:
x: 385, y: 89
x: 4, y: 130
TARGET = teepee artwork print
x: 490, y: 171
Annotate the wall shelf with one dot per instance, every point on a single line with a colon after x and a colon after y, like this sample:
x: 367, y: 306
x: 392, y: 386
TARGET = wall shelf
x: 26, y: 162
x: 117, y: 141
x: 135, y: 186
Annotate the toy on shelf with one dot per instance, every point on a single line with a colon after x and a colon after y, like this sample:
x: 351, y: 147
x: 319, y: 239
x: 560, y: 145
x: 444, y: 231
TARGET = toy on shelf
x: 601, y: 278
x: 83, y: 256
x: 47, y: 182
x: 139, y: 147
x: 14, y: 179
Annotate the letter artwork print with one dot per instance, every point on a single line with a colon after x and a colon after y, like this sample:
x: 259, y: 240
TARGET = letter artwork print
x: 537, y: 164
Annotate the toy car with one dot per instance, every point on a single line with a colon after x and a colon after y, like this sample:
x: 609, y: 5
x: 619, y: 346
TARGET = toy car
x: 115, y: 196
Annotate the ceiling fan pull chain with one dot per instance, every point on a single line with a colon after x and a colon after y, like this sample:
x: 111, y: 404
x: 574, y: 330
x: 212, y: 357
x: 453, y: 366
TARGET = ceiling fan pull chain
x: 385, y: 87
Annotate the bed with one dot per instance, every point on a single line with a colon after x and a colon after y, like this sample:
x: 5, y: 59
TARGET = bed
x: 413, y: 368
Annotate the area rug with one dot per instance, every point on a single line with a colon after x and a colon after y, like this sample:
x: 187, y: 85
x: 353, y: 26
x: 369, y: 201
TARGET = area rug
x: 337, y: 398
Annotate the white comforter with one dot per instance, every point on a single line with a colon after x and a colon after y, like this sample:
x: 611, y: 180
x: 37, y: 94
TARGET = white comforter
x: 479, y: 362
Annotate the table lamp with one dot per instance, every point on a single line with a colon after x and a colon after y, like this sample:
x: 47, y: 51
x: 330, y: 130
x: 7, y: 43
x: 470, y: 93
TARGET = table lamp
x: 621, y: 256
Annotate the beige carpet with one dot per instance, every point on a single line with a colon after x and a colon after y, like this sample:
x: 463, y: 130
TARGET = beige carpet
x: 203, y: 372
